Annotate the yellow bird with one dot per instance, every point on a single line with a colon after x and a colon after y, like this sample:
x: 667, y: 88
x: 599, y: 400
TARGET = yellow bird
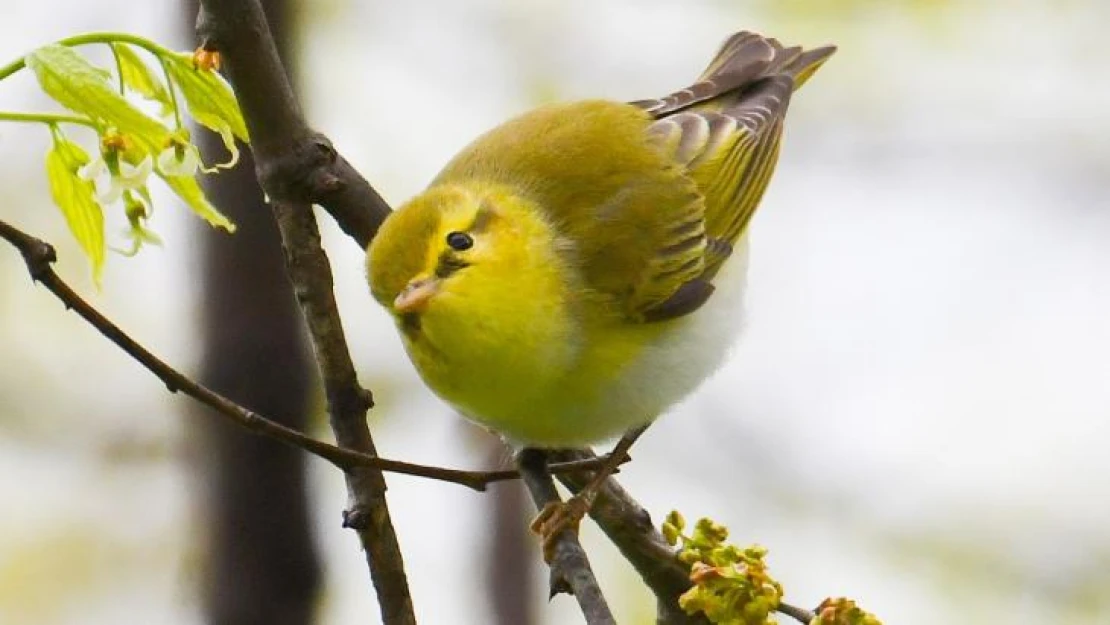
x: 576, y: 271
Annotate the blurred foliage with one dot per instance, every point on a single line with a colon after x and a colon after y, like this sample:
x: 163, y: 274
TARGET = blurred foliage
x: 844, y: 9
x: 969, y: 568
x: 43, y: 575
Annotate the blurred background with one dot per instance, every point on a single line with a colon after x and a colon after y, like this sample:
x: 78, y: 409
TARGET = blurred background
x: 917, y: 416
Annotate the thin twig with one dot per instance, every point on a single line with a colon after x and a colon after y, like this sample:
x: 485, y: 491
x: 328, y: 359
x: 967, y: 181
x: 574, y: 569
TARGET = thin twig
x: 628, y: 525
x: 801, y: 615
x: 570, y: 567
x: 39, y: 257
x: 616, y: 457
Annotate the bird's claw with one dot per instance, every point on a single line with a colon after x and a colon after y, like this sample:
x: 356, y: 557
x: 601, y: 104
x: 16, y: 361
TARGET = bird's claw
x: 556, y: 517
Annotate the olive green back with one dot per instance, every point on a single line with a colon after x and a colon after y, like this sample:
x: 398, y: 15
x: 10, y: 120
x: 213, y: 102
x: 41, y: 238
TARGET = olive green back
x: 650, y: 197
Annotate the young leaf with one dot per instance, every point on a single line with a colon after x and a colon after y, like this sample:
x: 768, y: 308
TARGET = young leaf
x: 187, y: 189
x: 83, y: 88
x: 210, y: 99
x: 137, y: 76
x: 75, y: 197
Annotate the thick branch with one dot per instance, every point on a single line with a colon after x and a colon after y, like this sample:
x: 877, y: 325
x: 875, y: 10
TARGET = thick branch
x: 296, y: 168
x: 293, y: 161
x: 570, y: 568
x: 347, y: 402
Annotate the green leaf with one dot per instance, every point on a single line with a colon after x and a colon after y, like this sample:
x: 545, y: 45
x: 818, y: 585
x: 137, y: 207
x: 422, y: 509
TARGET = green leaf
x: 75, y: 197
x: 83, y: 88
x: 209, y: 98
x: 138, y: 77
x: 187, y: 189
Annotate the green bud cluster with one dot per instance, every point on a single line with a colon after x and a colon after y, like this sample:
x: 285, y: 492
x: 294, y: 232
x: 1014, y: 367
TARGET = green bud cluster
x: 843, y: 611
x: 731, y: 584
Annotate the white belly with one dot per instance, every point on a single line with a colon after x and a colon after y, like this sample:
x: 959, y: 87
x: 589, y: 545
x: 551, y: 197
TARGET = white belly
x: 663, y: 374
x: 677, y: 364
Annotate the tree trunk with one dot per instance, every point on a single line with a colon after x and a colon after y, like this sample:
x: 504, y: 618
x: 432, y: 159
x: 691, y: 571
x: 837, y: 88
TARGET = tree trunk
x: 261, y: 565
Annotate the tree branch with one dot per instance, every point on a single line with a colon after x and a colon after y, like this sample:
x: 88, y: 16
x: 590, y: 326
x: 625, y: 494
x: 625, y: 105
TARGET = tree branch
x: 367, y: 512
x: 570, y: 567
x: 294, y: 162
x: 622, y: 519
x: 629, y: 526
x: 40, y: 255
x: 801, y: 615
x: 297, y: 167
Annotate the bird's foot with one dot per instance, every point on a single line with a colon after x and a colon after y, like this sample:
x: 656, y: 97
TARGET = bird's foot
x: 557, y: 517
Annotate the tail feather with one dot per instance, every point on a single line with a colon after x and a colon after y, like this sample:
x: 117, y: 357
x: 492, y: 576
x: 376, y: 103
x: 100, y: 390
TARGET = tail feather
x: 743, y: 59
x: 747, y: 55
x: 807, y: 63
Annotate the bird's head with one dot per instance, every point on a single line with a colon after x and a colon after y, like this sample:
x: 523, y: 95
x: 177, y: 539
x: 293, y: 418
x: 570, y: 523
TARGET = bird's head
x: 475, y: 255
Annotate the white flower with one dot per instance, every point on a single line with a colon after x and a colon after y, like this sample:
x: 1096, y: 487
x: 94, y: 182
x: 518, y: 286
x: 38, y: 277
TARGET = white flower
x: 138, y: 210
x: 179, y: 160
x: 111, y: 182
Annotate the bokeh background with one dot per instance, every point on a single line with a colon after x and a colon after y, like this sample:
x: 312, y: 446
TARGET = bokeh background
x: 917, y: 416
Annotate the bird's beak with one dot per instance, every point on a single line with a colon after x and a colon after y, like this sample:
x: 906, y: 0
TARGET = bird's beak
x: 415, y: 296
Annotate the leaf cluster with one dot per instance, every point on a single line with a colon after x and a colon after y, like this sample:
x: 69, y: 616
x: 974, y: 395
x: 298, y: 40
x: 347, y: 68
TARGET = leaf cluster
x: 132, y: 144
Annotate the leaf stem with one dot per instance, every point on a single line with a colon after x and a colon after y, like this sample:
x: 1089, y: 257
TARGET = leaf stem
x: 160, y: 52
x: 119, y: 69
x: 46, y: 118
x: 91, y: 38
x: 173, y: 93
x: 12, y: 67
x: 110, y: 37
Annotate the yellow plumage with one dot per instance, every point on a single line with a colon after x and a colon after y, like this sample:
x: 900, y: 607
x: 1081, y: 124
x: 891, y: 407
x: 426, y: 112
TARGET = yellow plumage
x: 556, y: 282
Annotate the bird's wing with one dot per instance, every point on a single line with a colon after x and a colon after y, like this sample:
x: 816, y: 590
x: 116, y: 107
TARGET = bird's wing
x: 724, y: 130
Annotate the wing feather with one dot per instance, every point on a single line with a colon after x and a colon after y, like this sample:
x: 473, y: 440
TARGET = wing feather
x: 726, y: 131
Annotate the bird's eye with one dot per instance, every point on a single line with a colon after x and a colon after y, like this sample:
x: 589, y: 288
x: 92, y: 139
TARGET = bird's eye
x: 459, y: 241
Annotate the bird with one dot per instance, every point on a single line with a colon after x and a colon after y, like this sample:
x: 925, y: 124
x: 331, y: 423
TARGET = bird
x: 576, y: 271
